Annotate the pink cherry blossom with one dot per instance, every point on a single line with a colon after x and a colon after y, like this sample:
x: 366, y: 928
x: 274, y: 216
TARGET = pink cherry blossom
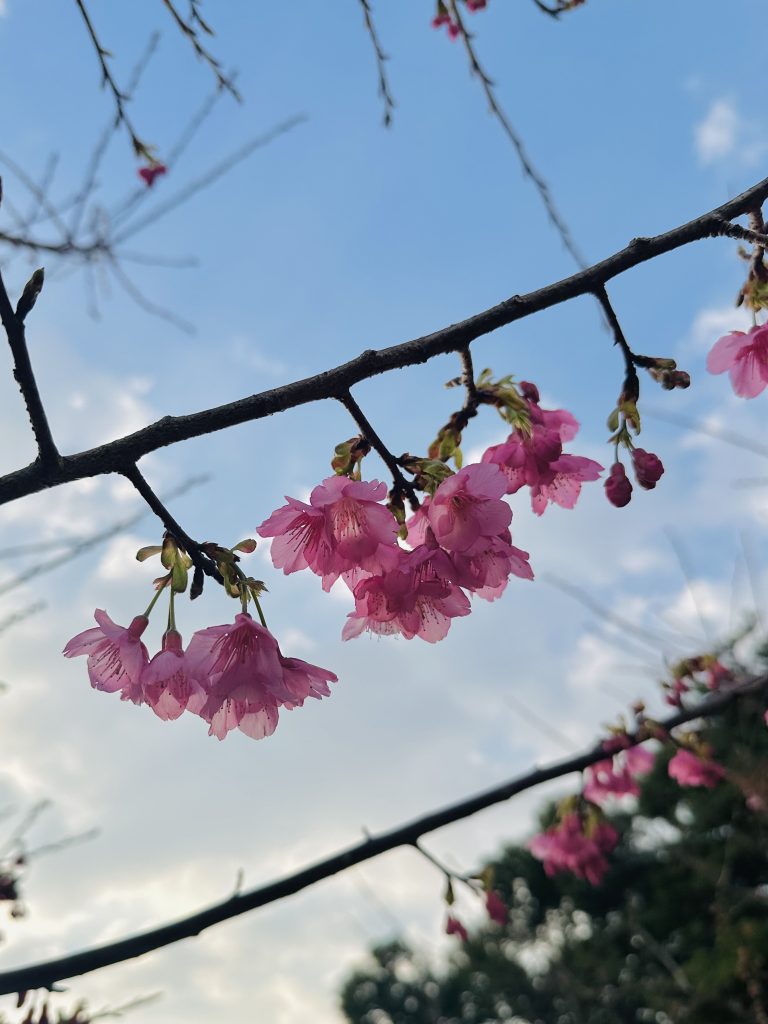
x: 467, y: 508
x: 618, y: 489
x: 567, y: 847
x: 536, y: 459
x: 617, y: 776
x: 454, y: 927
x: 248, y: 679
x: 151, y: 173
x: 496, y: 907
x: 343, y: 528
x: 690, y: 770
x: 648, y: 468
x: 745, y: 357
x: 116, y: 655
x: 418, y: 598
x: 485, y: 573
x: 305, y: 680
x: 168, y: 682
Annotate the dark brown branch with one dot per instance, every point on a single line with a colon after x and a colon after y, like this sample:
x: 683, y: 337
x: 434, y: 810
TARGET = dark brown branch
x: 631, y: 382
x: 13, y: 323
x: 49, y: 973
x: 188, y: 29
x: 381, y: 58
x: 193, y: 549
x: 401, y: 484
x: 112, y: 457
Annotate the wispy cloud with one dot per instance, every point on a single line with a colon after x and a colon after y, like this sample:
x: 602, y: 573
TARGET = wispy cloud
x: 725, y: 134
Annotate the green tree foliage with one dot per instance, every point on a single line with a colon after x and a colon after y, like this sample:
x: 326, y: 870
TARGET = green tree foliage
x: 677, y: 931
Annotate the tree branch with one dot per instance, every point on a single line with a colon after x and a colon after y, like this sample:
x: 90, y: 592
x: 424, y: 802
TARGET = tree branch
x: 381, y: 58
x: 13, y: 323
x: 401, y: 484
x: 113, y: 457
x: 49, y: 973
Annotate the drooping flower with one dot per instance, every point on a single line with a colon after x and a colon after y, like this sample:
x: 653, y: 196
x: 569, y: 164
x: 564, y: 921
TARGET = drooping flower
x: 618, y: 489
x: 453, y: 926
x: 568, y: 846
x: 168, y: 682
x: 485, y: 573
x: 745, y: 357
x: 304, y: 680
x: 151, y: 173
x: 648, y: 468
x: 116, y: 655
x: 690, y: 770
x: 418, y: 598
x: 343, y: 528
x: 536, y: 458
x: 245, y: 683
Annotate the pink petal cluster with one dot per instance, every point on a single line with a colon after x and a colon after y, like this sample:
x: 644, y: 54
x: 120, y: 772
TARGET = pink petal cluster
x: 460, y: 541
x: 569, y: 847
x: 690, y: 770
x: 419, y: 597
x: 343, y: 528
x: 233, y: 676
x: 617, y: 776
x: 745, y: 357
x: 537, y: 460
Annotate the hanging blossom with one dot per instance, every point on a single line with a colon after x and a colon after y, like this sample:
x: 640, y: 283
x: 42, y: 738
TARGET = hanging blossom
x: 453, y: 926
x: 617, y: 776
x: 116, y: 656
x: 419, y: 597
x: 745, y: 357
x: 343, y: 528
x: 690, y: 770
x: 467, y: 517
x: 536, y: 459
x: 233, y: 676
x: 570, y: 846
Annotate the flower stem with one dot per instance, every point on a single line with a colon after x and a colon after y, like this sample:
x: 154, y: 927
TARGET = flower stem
x: 153, y: 602
x: 261, y: 613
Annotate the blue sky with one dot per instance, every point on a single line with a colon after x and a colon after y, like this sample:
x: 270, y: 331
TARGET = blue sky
x: 337, y: 237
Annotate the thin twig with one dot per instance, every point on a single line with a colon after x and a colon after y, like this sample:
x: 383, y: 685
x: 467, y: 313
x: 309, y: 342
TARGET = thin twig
x: 23, y: 373
x: 529, y: 168
x: 193, y: 549
x: 402, y: 485
x: 381, y: 59
x: 49, y: 973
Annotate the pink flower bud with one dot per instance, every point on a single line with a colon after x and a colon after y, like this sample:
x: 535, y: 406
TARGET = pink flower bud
x: 648, y: 468
x: 150, y: 173
x: 618, y: 489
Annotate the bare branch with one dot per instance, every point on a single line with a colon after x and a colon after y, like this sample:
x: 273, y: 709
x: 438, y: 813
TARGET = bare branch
x: 113, y: 457
x: 381, y: 58
x: 49, y: 973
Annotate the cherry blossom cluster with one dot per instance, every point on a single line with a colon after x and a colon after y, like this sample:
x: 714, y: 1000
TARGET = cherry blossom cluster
x: 233, y: 676
x: 414, y: 576
x: 581, y: 838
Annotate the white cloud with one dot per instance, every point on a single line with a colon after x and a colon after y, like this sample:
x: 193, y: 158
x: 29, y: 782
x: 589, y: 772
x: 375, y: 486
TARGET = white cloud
x: 724, y: 134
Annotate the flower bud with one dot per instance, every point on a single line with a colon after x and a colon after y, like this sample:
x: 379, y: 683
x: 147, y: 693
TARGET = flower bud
x: 648, y: 468
x: 618, y: 489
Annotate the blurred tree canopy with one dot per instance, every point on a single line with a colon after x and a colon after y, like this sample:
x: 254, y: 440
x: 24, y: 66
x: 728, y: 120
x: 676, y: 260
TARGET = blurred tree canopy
x: 677, y: 931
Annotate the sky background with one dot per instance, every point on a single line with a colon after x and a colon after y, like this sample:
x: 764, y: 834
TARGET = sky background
x: 336, y: 237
